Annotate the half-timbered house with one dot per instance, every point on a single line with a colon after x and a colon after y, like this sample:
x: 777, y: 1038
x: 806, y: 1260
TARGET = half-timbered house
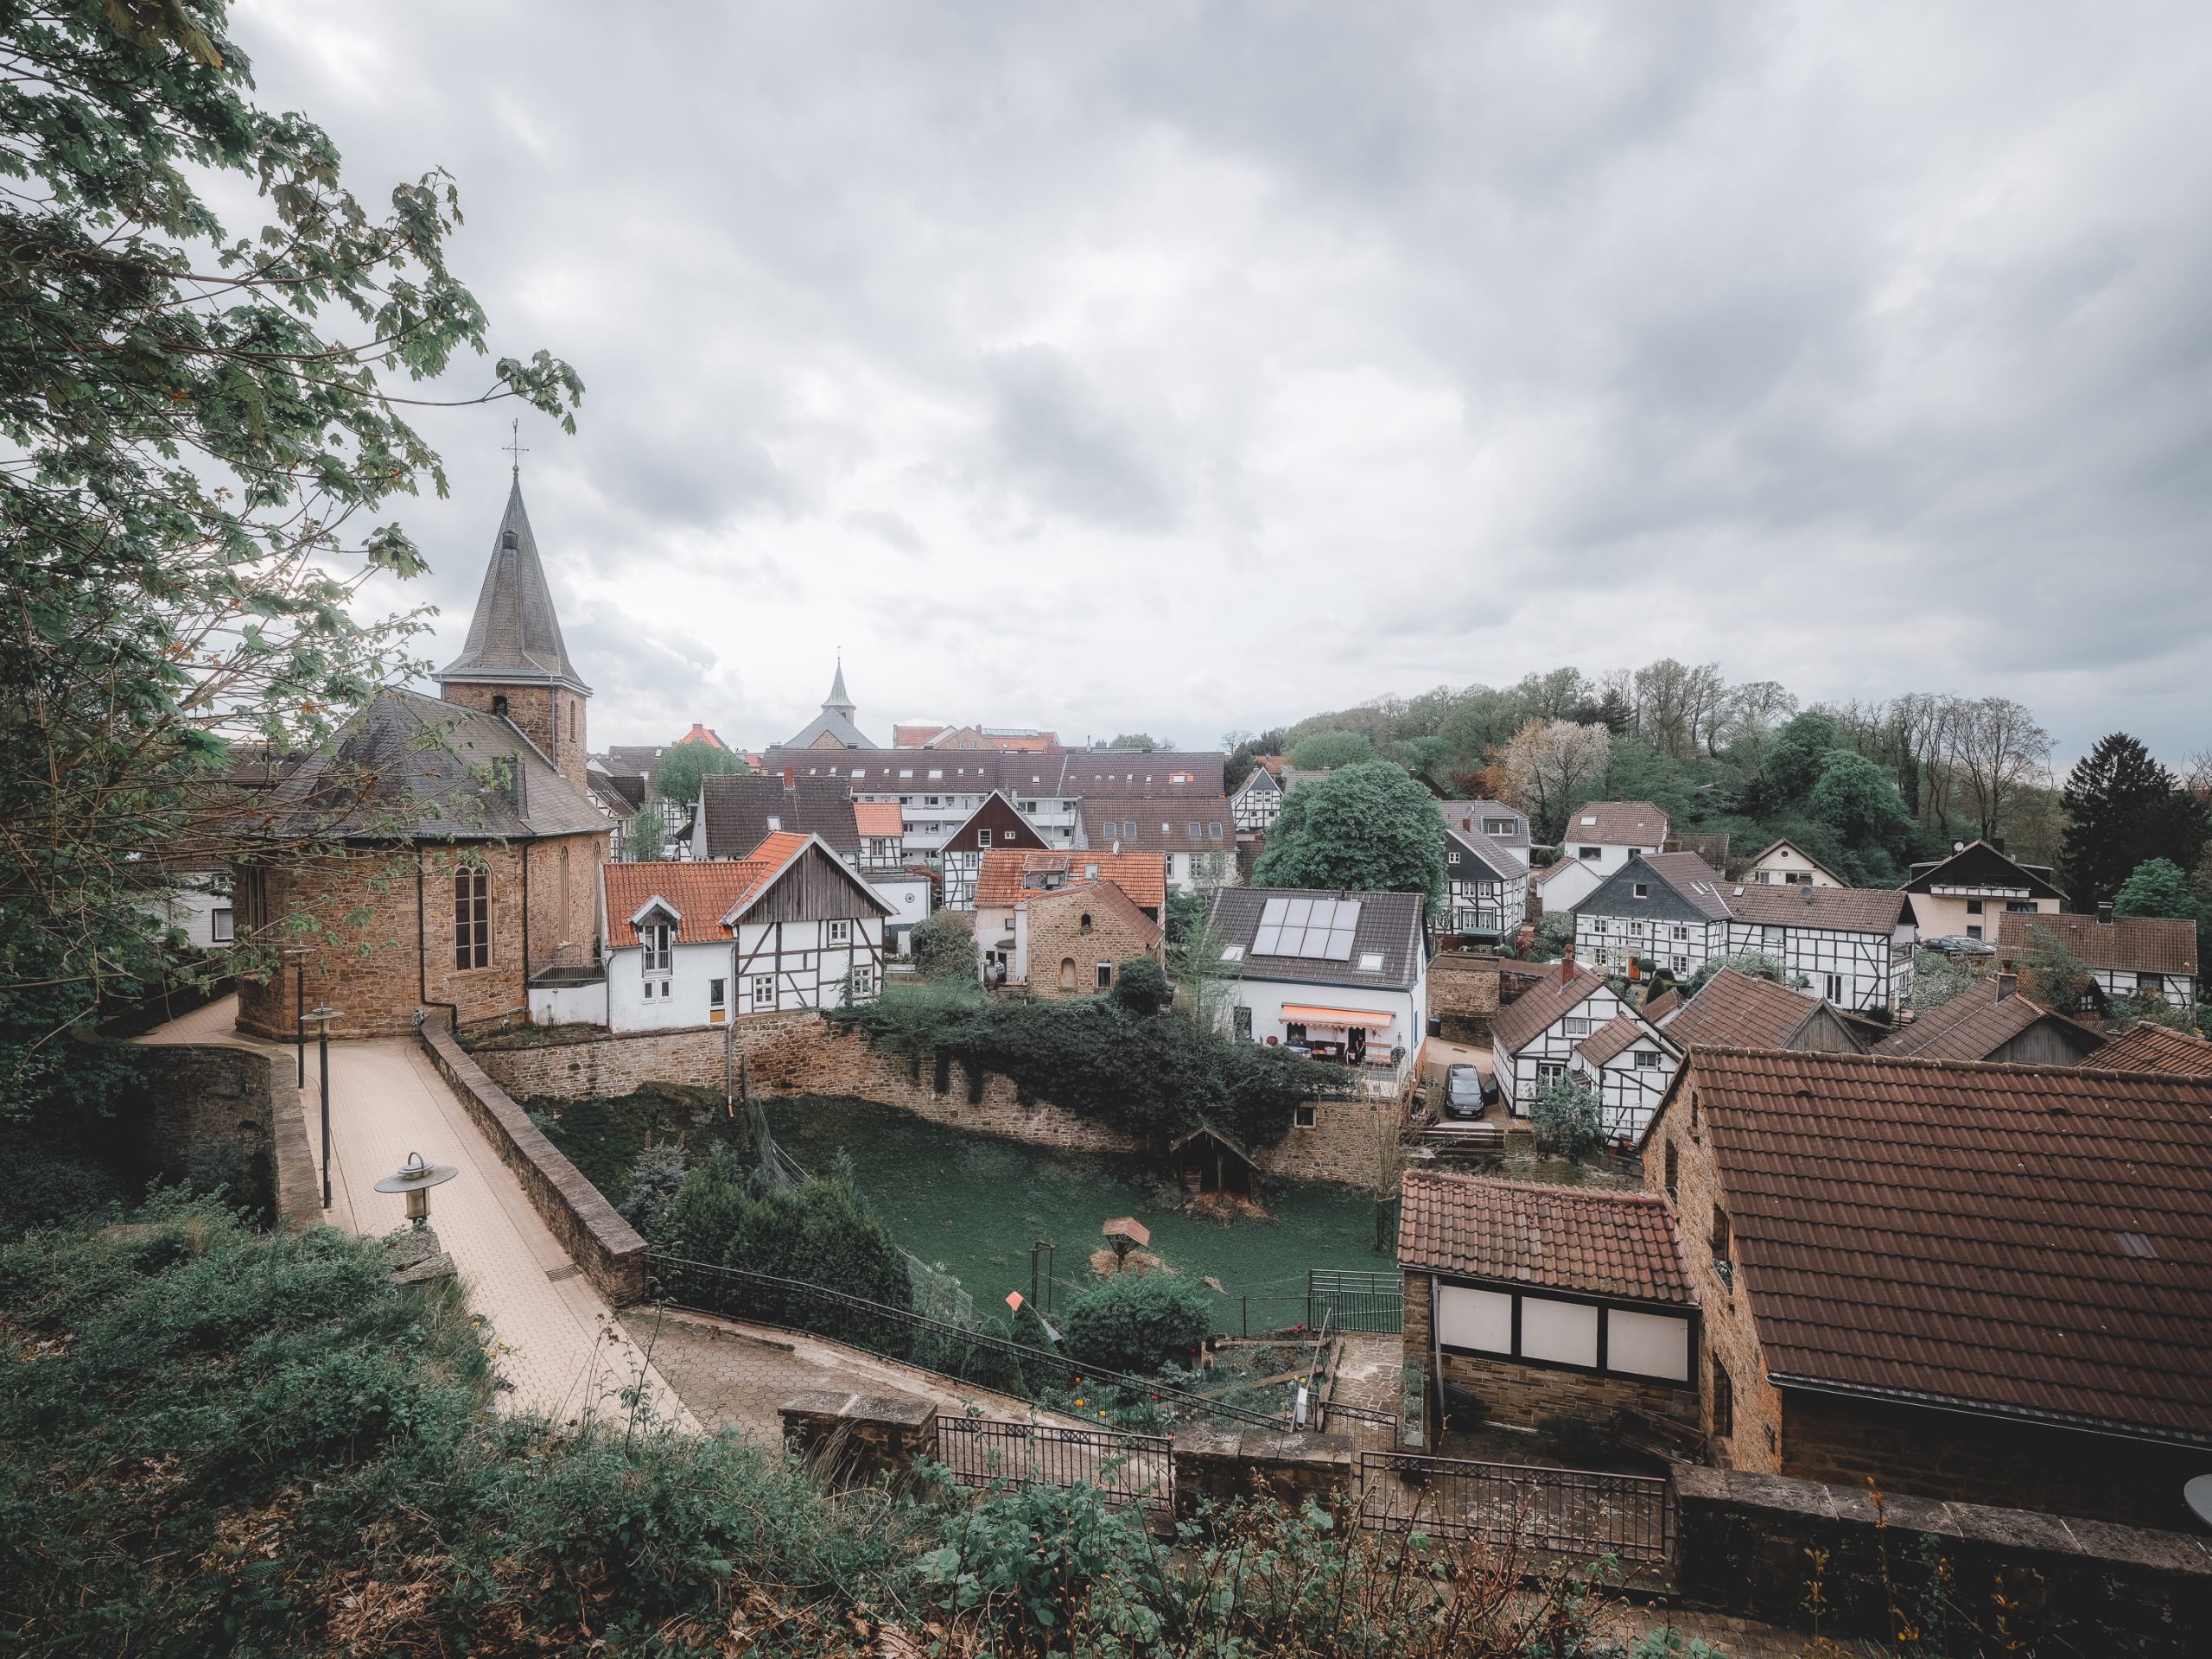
x: 1488, y: 891
x: 992, y: 827
x: 1850, y: 944
x: 1627, y: 1063
x: 2128, y: 956
x: 700, y: 942
x: 1600, y: 837
x: 1533, y: 1039
x: 1503, y: 826
x: 1256, y: 803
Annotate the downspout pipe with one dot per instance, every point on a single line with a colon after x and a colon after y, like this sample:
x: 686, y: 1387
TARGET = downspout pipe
x: 423, y: 953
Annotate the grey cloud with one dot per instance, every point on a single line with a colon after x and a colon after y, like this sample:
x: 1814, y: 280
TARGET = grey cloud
x: 1052, y: 430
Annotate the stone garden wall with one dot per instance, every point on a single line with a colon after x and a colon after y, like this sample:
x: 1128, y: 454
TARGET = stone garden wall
x: 216, y: 1105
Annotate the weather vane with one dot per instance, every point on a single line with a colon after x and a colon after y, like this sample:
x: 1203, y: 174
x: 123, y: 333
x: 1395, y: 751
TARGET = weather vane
x: 514, y: 446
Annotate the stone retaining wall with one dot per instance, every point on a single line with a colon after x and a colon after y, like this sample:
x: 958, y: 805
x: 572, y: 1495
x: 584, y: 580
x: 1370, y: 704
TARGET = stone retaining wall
x: 1222, y: 1465
x: 597, y: 1239
x: 221, y: 1100
x: 1746, y: 1545
x: 802, y: 1053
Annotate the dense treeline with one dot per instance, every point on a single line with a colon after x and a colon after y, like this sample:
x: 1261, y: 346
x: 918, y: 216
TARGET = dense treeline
x: 1866, y: 787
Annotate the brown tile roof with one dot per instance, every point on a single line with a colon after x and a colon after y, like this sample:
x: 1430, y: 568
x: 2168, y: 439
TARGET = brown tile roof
x: 1100, y: 895
x: 2034, y: 1241
x: 739, y: 806
x: 1973, y: 1026
x: 2146, y: 1047
x: 1160, y: 825
x: 1616, y: 823
x: 2128, y: 944
x: 1848, y: 909
x: 1618, y: 1035
x: 879, y: 818
x: 1733, y: 1010
x: 1519, y: 1023
x: 702, y: 891
x: 1546, y: 1238
x: 1143, y: 876
x: 1665, y: 1003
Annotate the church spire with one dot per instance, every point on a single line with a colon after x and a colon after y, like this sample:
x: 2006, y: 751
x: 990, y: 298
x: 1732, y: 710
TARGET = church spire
x: 514, y: 638
x: 837, y: 700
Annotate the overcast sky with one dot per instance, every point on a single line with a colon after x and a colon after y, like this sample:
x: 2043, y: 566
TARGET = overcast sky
x: 1187, y: 368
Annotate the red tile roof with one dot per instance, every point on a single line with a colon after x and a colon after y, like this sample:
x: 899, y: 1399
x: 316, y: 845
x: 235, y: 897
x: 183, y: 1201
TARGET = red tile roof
x: 2146, y: 1047
x: 1616, y: 823
x: 1618, y: 1035
x: 2128, y: 944
x: 1733, y: 1010
x: 1545, y: 1237
x: 1519, y: 1023
x: 1973, y: 1025
x: 1102, y: 895
x: 701, y: 892
x: 879, y: 818
x: 1143, y: 876
x: 2031, y: 1241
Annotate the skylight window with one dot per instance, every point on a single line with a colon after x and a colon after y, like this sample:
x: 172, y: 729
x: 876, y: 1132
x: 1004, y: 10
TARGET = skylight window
x: 2138, y: 1244
x: 1232, y: 953
x: 1370, y: 962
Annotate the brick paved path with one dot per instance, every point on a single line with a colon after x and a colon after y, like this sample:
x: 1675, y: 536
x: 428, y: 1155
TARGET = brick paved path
x: 557, y: 1343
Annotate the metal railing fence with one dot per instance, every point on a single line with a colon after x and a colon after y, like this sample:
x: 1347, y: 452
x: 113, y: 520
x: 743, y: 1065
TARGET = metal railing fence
x: 982, y: 1452
x: 1354, y: 1299
x: 973, y: 1357
x: 1566, y: 1511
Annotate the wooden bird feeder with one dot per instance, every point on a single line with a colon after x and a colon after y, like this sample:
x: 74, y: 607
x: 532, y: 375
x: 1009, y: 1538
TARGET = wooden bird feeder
x: 1124, y: 1234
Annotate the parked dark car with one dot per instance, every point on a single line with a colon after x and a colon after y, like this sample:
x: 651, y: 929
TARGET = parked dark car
x: 1462, y: 1092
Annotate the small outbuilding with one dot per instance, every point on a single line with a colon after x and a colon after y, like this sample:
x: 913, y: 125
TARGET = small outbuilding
x: 1206, y: 1160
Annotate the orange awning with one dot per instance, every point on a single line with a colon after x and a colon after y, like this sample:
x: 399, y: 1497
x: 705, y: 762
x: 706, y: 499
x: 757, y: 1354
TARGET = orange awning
x: 1371, y: 1019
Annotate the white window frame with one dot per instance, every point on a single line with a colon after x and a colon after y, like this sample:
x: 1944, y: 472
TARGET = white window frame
x: 769, y: 980
x: 841, y: 932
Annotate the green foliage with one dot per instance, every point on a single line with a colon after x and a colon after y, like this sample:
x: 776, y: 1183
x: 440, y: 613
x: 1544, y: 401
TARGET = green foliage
x: 2052, y: 974
x: 1137, y: 1322
x: 1636, y: 771
x: 2123, y: 810
x: 1859, y: 802
x: 676, y: 778
x: 645, y: 838
x: 1567, y: 1120
x: 1325, y: 751
x: 1140, y: 986
x: 655, y: 1180
x: 2158, y: 887
x: 1937, y: 979
x: 201, y: 428
x: 1553, y: 932
x: 1185, y: 916
x: 1752, y: 965
x: 1368, y: 828
x: 1143, y: 742
x: 1792, y: 765
x: 295, y: 1430
x: 818, y: 1232
x: 945, y: 951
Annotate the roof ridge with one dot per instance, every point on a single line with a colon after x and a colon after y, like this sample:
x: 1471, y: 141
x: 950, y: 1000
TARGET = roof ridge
x: 1459, y: 1178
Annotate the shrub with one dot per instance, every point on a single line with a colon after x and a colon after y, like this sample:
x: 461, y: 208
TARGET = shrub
x: 1136, y: 1322
x: 945, y: 951
x: 1566, y: 1119
x: 1140, y: 986
x: 655, y: 1180
x: 1937, y: 979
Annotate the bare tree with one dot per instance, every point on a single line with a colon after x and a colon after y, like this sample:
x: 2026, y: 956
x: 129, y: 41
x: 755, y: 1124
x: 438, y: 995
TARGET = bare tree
x: 2001, y: 751
x: 1662, y: 706
x: 1547, y: 761
x: 1754, y: 710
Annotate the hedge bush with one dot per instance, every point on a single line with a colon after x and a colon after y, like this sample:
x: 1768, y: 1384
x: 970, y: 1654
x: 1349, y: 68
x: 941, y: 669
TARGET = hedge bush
x: 1137, y: 1322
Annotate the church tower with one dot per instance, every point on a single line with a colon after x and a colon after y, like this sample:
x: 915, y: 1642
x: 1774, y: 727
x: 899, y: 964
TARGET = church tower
x: 514, y: 663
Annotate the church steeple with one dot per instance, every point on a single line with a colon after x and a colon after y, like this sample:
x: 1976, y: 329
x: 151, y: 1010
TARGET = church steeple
x: 514, y: 663
x: 837, y: 701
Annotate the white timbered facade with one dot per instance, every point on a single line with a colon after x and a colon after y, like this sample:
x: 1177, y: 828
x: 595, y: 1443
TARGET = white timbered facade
x: 701, y: 943
x: 1851, y: 945
x: 1257, y: 803
x: 1627, y: 1063
x: 1533, y: 1038
x: 1487, y: 891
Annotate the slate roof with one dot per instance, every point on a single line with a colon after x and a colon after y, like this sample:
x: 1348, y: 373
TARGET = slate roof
x: 2033, y: 1240
x: 2128, y: 944
x: 740, y: 805
x: 1616, y: 1244
x: 828, y: 723
x: 1521, y: 1021
x: 1099, y: 895
x: 1733, y: 1010
x: 1973, y: 1026
x: 1702, y: 886
x: 1617, y: 1036
x: 1489, y: 858
x: 1389, y: 924
x: 633, y: 759
x: 1469, y: 816
x: 1258, y: 781
x: 1162, y: 826
x: 514, y: 636
x: 410, y: 768
x: 999, y: 879
x: 1616, y: 823
x: 2146, y: 1047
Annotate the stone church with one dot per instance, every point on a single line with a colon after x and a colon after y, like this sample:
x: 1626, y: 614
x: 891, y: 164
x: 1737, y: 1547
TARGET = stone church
x: 444, y: 853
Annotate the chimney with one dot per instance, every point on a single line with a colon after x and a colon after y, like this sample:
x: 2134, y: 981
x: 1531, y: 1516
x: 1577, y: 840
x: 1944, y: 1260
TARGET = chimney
x: 1808, y: 893
x: 1567, y: 966
x: 2104, y: 913
x: 2006, y: 984
x: 791, y: 777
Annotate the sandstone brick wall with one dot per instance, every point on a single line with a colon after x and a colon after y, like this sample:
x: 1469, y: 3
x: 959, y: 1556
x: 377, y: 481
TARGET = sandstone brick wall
x: 1462, y: 993
x: 1725, y: 1330
x: 1523, y: 1396
x: 1746, y: 1545
x: 596, y: 1238
x: 379, y: 928
x: 549, y: 716
x: 1354, y: 1143
x: 1057, y: 938
x: 212, y: 1096
x: 1224, y: 1465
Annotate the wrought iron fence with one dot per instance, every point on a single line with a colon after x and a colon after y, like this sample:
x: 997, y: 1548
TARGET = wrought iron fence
x: 981, y: 1452
x: 1568, y: 1511
x: 973, y: 1357
x: 1355, y: 1299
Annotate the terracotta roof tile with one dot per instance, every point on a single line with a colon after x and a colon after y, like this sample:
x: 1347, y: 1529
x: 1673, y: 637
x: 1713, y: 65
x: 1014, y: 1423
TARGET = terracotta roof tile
x: 1000, y: 880
x: 1516, y: 1025
x: 879, y: 818
x: 2033, y: 1240
x: 2146, y: 1047
x: 1616, y: 823
x: 1618, y: 1035
x: 2128, y: 944
x: 1551, y: 1237
x: 1733, y: 1010
x: 1973, y: 1026
x: 702, y: 891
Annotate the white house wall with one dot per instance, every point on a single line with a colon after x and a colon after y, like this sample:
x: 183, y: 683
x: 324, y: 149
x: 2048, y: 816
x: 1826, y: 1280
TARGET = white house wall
x: 1517, y: 1074
x: 1629, y: 1094
x: 691, y: 969
x: 787, y: 965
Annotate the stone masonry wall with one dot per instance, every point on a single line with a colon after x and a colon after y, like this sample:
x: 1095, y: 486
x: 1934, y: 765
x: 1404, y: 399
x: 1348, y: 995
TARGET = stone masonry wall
x: 800, y: 1053
x: 1462, y: 993
x: 1057, y: 935
x: 1747, y: 1544
x: 550, y: 716
x: 219, y: 1098
x: 1522, y: 1396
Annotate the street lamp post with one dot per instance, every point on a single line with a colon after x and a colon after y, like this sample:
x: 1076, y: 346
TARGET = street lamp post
x: 299, y: 954
x: 416, y: 1178
x: 322, y: 1013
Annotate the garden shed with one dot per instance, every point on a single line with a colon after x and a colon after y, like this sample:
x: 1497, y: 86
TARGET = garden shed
x: 1206, y: 1160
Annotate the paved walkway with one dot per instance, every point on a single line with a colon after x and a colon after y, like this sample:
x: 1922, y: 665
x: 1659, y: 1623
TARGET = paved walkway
x: 556, y: 1343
